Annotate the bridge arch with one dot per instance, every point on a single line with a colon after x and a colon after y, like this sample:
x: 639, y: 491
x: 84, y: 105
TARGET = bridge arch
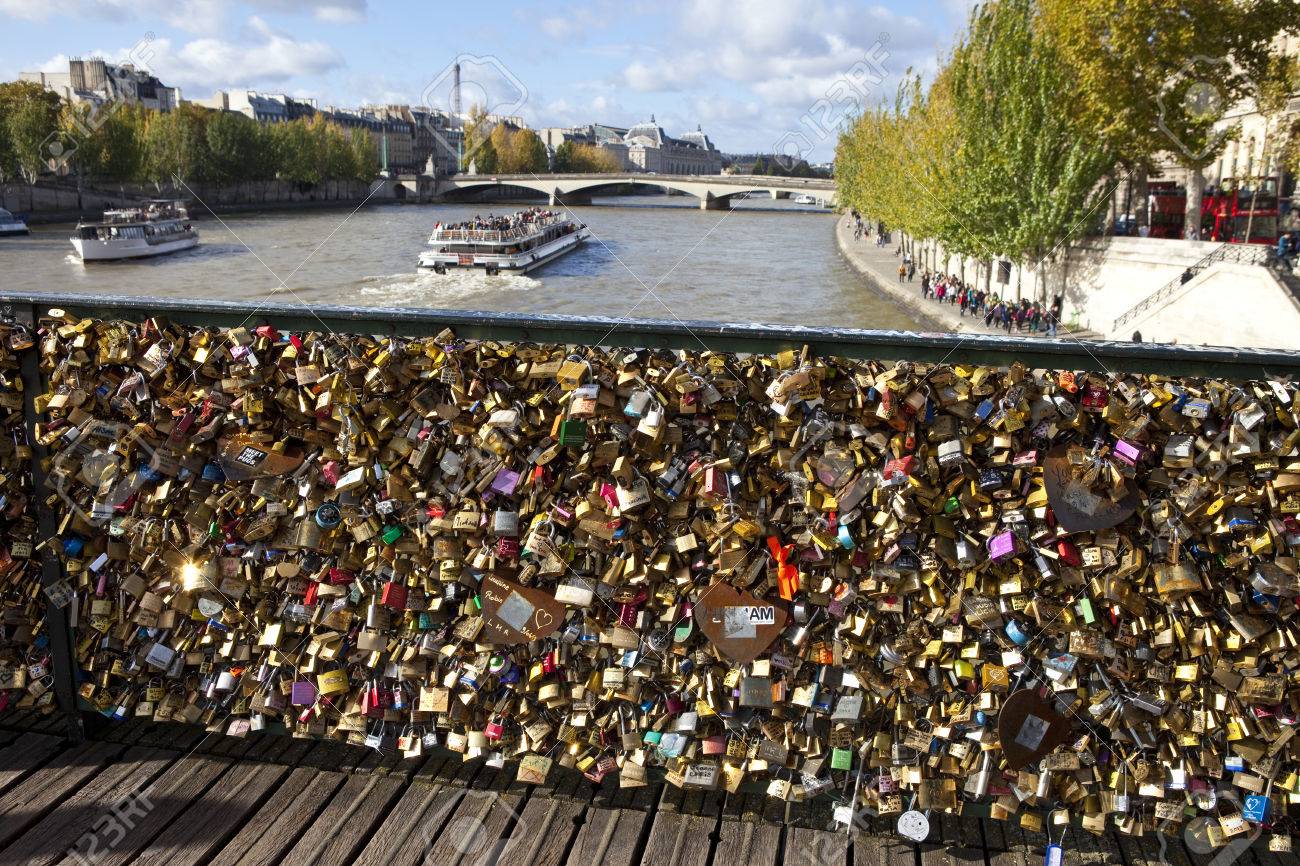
x: 714, y: 192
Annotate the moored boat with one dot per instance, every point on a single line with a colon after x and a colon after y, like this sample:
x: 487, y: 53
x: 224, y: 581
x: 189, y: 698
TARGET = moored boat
x: 11, y: 225
x: 156, y: 229
x: 506, y: 244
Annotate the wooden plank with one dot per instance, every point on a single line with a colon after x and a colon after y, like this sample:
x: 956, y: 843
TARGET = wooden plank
x: 544, y: 833
x: 878, y: 844
x: 343, y: 828
x: 1093, y: 850
x: 409, y: 817
x: 680, y: 839
x: 610, y: 837
x: 281, y: 820
x: 747, y: 842
x: 119, y: 792
x: 7, y: 736
x: 215, y: 817
x: 24, y: 755
x: 437, y: 815
x: 185, y: 782
x: 950, y: 843
x: 40, y: 792
x: 808, y: 847
x: 475, y: 832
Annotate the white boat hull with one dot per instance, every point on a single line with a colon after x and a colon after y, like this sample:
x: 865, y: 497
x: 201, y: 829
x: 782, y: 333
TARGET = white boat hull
x: 15, y: 228
x: 116, y: 249
x: 519, y: 263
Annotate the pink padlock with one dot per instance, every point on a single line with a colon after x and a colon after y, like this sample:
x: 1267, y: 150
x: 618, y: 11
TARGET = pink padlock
x: 1127, y: 452
x: 1002, y: 545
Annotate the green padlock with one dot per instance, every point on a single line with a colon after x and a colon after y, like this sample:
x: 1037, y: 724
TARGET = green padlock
x: 573, y: 431
x: 841, y: 759
x: 1084, y: 609
x: 391, y: 534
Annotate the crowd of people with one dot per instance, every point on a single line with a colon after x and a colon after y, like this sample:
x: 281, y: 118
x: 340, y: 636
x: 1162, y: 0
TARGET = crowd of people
x: 997, y: 312
x: 1005, y: 314
x: 493, y: 223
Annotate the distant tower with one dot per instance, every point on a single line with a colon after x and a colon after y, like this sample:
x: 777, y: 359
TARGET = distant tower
x: 455, y: 90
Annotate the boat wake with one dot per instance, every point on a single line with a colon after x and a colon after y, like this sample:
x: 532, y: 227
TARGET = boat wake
x: 440, y: 290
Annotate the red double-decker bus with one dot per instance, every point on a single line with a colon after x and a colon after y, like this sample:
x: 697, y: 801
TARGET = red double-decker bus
x: 1228, y: 213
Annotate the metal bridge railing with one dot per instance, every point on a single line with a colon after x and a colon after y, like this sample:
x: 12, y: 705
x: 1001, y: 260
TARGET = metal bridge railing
x: 1035, y: 352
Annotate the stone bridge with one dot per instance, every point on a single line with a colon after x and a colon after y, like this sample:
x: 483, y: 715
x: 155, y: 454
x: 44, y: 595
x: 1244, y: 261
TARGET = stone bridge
x: 715, y: 192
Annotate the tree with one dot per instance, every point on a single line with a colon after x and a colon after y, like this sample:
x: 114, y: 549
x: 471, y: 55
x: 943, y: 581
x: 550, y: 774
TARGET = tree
x: 529, y: 153
x: 29, y: 116
x: 1160, y: 75
x: 176, y: 145
x: 760, y: 166
x: 365, y: 161
x: 232, y: 146
x: 477, y: 144
x: 297, y: 157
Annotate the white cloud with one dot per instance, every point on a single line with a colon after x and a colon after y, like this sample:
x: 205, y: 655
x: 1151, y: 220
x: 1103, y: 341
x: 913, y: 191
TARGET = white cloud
x: 196, y: 16
x: 785, y: 67
x: 333, y: 11
x: 262, y: 56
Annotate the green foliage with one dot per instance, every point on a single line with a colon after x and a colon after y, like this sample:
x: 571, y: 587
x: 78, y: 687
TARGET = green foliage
x: 1160, y: 75
x: 114, y: 148
x: 29, y: 114
x: 989, y: 159
x: 233, y: 145
x: 128, y: 143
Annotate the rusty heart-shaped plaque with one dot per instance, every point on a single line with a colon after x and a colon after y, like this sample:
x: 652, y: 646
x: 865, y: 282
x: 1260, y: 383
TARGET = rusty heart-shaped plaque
x: 515, y: 614
x: 739, y: 624
x: 1076, y: 507
x: 1029, y: 727
x: 243, y: 458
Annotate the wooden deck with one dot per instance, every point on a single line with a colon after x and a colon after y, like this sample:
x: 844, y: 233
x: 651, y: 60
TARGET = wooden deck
x: 173, y: 795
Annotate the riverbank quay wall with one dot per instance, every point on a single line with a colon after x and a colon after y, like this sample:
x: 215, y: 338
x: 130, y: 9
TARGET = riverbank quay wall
x: 63, y: 202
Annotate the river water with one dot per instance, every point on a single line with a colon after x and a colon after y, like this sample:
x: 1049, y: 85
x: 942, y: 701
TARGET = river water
x: 649, y: 258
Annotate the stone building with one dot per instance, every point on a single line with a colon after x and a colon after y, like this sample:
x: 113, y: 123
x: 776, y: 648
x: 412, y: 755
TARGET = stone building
x: 650, y: 149
x: 96, y: 82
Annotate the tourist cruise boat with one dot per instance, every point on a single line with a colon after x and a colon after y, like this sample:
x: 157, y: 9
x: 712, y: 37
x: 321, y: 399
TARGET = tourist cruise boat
x: 10, y: 224
x: 805, y: 199
x: 516, y: 244
x: 155, y: 229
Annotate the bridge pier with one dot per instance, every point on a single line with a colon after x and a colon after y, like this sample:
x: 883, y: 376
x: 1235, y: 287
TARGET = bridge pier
x: 572, y: 199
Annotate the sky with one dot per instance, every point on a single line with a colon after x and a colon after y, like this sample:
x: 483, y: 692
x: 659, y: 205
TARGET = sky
x: 764, y: 76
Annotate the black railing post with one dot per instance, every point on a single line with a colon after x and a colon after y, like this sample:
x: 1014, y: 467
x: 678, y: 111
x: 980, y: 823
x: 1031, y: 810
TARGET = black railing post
x: 57, y: 625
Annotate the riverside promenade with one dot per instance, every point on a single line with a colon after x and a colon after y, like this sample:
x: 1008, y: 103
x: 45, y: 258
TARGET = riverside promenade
x: 879, y: 266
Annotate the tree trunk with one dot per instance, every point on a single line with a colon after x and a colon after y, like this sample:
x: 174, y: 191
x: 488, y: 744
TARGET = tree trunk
x: 1195, y: 191
x: 1141, y: 195
x: 988, y: 277
x: 1109, y: 228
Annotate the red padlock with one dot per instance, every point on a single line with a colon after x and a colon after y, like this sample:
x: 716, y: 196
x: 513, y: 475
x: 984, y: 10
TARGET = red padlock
x: 313, y: 592
x: 394, y: 596
x: 507, y: 548
x: 494, y: 730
